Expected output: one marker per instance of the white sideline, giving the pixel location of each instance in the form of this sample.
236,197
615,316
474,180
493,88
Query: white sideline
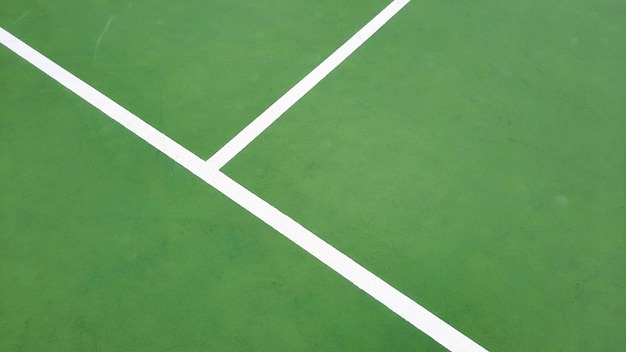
263,121
380,290
412,312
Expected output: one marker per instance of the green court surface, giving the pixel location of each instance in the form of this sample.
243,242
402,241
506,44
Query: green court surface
198,72
473,155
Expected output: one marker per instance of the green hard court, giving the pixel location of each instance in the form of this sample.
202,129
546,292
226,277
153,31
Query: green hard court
471,154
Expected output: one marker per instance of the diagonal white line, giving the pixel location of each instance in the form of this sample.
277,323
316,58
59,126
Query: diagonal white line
406,308
101,102
269,116
380,290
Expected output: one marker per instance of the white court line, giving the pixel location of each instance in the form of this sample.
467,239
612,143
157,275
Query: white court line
261,123
402,305
380,290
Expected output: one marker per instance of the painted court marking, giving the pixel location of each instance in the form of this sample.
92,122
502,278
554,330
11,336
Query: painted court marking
395,300
269,116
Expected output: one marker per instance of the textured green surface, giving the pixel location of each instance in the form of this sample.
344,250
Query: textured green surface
107,245
198,71
471,154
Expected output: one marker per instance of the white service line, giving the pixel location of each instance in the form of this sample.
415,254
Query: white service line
261,123
412,312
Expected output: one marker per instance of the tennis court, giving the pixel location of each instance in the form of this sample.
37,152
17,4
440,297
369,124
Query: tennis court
470,155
